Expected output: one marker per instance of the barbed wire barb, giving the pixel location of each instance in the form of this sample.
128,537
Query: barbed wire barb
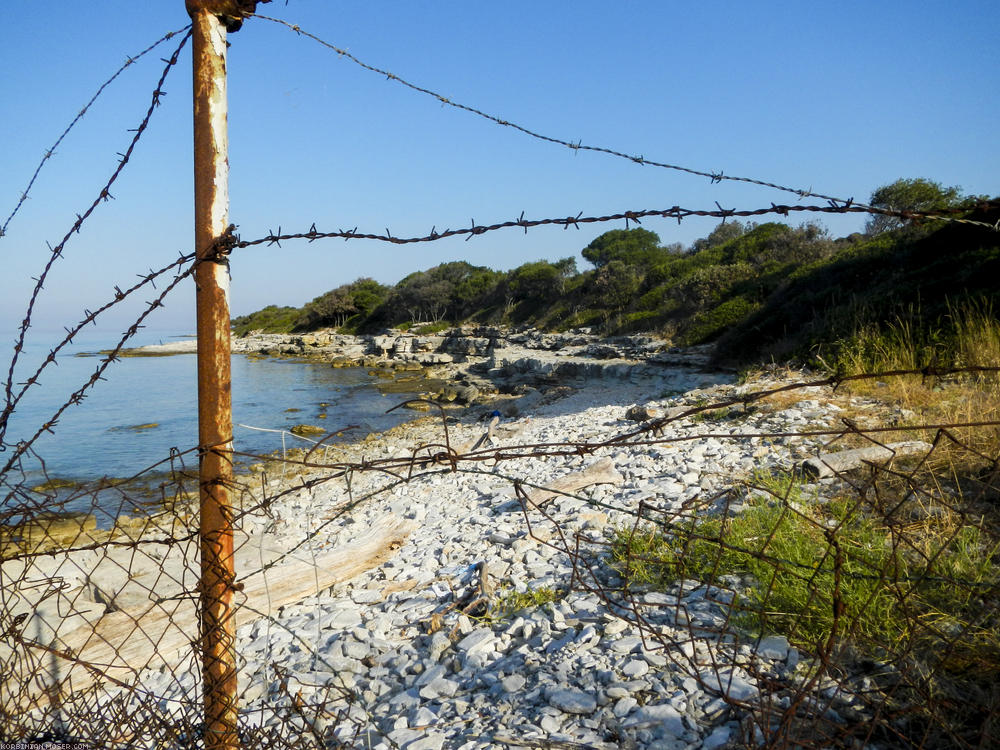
50,152
714,177
57,251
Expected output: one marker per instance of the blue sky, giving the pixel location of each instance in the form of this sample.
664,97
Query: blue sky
840,98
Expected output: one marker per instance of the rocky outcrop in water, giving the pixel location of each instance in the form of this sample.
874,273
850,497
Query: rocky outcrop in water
497,351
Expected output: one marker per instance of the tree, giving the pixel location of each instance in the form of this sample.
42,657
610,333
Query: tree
423,295
916,194
368,294
634,246
724,232
539,281
616,284
336,306
473,289
449,290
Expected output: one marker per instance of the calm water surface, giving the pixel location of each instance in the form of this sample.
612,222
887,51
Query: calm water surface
98,437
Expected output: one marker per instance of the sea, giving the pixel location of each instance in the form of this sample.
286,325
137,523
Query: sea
145,407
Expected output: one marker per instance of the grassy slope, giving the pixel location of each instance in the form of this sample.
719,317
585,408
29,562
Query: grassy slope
911,275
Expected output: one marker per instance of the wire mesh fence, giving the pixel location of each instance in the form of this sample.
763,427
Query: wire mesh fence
692,578
683,562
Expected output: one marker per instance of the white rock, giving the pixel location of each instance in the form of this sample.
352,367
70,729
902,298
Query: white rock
635,668
773,647
660,715
719,737
439,644
732,682
624,705
429,741
627,645
573,701
438,687
342,619
477,641
514,683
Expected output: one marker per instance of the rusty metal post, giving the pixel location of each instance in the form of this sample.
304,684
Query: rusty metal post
215,422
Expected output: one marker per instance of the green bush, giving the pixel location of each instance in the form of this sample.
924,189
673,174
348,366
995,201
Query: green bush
709,324
271,319
801,558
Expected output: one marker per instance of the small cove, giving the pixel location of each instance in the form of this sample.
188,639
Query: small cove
148,407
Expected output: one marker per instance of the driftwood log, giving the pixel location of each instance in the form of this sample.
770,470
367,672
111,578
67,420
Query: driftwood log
599,472
829,464
124,642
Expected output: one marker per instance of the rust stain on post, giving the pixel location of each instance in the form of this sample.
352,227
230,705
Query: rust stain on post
215,423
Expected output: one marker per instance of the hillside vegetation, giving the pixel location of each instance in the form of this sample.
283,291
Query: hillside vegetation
761,291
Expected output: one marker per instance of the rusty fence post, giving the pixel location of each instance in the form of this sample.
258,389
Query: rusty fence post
215,422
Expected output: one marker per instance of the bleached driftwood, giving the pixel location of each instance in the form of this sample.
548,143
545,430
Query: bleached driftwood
828,464
127,641
599,472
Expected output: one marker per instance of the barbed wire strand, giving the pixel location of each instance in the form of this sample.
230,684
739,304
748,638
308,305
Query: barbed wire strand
90,316
675,212
432,460
112,356
50,152
715,177
103,196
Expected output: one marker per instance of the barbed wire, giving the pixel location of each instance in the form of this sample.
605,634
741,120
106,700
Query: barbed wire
113,356
50,152
715,177
675,212
90,316
303,717
103,195
119,673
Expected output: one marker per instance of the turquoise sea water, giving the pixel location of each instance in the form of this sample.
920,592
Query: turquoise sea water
97,437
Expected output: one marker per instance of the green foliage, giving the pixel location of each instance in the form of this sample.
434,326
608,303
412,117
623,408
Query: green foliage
539,280
450,290
616,284
511,602
916,194
709,284
625,245
334,308
271,319
869,285
762,291
800,556
723,233
708,324
429,328
968,335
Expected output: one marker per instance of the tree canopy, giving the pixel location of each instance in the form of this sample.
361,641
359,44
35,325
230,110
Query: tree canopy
627,245
917,194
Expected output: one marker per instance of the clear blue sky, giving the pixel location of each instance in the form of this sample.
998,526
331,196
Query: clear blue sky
839,97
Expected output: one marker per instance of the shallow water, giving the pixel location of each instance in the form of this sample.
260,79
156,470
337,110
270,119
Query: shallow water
148,406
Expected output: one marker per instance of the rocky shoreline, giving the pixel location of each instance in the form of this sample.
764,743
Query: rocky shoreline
476,363
396,658
394,653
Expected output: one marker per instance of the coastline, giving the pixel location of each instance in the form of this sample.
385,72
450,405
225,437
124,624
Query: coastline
400,640
481,362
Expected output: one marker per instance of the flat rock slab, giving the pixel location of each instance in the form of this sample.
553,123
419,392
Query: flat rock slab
828,464
573,701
